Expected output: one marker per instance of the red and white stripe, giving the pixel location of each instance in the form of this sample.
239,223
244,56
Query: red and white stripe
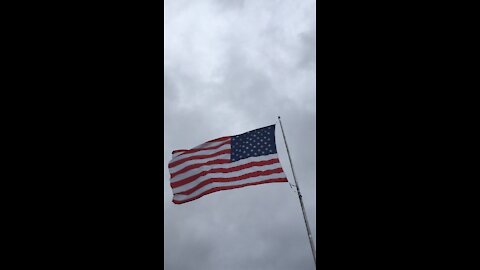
207,168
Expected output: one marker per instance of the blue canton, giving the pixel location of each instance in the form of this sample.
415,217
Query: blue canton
258,142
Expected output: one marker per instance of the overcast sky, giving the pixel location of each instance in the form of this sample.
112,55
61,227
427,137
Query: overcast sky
232,66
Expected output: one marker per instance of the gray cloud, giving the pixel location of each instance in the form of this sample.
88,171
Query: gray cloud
230,67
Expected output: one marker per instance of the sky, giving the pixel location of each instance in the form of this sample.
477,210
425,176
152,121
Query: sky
231,66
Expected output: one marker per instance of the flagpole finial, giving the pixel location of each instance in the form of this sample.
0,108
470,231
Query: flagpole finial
279,117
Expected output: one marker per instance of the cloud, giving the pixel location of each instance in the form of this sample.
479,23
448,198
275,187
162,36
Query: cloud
230,67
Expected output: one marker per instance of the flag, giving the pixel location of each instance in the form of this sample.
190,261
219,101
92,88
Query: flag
225,163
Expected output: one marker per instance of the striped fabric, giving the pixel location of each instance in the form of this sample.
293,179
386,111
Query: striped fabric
225,163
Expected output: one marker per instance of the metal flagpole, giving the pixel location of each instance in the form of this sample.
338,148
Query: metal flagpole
300,197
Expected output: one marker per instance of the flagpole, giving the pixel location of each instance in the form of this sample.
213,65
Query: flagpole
300,197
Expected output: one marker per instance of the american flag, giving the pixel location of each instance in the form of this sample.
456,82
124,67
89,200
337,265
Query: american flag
225,163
